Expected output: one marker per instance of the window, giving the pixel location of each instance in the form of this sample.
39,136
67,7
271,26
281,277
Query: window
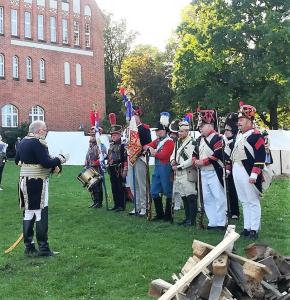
15,67
88,11
53,4
87,35
1,19
28,63
64,31
9,116
64,6
53,29
36,113
66,73
41,2
14,22
2,66
42,70
78,74
27,24
76,33
40,27
77,6
28,1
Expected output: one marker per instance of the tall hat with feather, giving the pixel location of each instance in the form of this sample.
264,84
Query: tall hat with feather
114,127
231,122
207,116
247,111
163,122
174,126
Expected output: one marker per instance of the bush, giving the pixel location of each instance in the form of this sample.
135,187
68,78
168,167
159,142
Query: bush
9,136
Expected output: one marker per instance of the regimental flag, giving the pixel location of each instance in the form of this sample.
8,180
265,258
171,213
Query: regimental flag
134,147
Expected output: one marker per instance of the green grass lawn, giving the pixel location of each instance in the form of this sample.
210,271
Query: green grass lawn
107,255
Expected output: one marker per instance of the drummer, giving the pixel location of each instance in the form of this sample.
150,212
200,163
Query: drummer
92,161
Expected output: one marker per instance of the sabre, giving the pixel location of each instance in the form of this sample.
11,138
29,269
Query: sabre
14,245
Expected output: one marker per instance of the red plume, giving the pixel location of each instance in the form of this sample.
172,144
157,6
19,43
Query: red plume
97,116
122,91
92,118
241,103
112,119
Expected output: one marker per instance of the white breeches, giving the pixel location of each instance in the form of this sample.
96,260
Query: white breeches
182,186
248,194
215,204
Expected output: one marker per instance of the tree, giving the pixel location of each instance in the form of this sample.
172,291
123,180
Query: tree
231,51
117,43
147,71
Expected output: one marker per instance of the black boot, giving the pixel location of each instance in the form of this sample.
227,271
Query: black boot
158,208
192,210
185,205
28,237
41,234
168,212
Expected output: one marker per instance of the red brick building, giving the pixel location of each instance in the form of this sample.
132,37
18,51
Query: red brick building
51,62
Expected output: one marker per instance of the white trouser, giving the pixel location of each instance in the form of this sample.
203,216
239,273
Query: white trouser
29,213
177,200
248,194
214,199
140,183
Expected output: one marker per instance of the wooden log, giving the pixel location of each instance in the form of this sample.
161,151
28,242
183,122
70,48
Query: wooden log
188,277
191,262
159,286
253,272
256,251
242,260
270,263
199,250
220,265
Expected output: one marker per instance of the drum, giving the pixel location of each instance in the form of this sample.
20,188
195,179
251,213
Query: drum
89,177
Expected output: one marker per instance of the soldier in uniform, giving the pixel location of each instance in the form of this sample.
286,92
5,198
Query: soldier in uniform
231,131
138,184
36,166
185,175
3,148
248,158
211,166
118,168
93,160
161,148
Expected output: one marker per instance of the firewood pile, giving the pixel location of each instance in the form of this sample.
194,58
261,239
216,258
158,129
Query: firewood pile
215,273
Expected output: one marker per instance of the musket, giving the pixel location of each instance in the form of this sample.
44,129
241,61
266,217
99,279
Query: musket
148,192
174,178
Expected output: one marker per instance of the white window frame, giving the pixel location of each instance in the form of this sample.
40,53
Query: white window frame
65,31
36,113
9,114
40,2
53,29
28,1
77,6
67,73
1,20
42,70
2,65
76,33
87,35
27,24
88,11
28,65
53,4
40,27
15,67
14,22
78,74
64,6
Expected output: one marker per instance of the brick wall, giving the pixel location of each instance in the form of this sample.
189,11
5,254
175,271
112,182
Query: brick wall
65,106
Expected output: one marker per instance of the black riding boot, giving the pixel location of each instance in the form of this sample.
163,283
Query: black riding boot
41,234
28,237
192,210
158,208
168,212
186,217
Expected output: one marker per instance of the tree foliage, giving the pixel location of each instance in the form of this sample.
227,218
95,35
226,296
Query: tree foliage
234,50
147,72
117,43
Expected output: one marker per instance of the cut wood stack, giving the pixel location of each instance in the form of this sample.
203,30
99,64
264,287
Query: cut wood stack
215,273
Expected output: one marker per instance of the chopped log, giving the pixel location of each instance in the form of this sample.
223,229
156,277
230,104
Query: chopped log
270,263
159,287
283,266
256,289
256,251
199,287
191,262
242,260
253,272
188,277
199,250
269,287
220,265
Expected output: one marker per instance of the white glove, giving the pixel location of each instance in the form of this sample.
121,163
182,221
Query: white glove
63,158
